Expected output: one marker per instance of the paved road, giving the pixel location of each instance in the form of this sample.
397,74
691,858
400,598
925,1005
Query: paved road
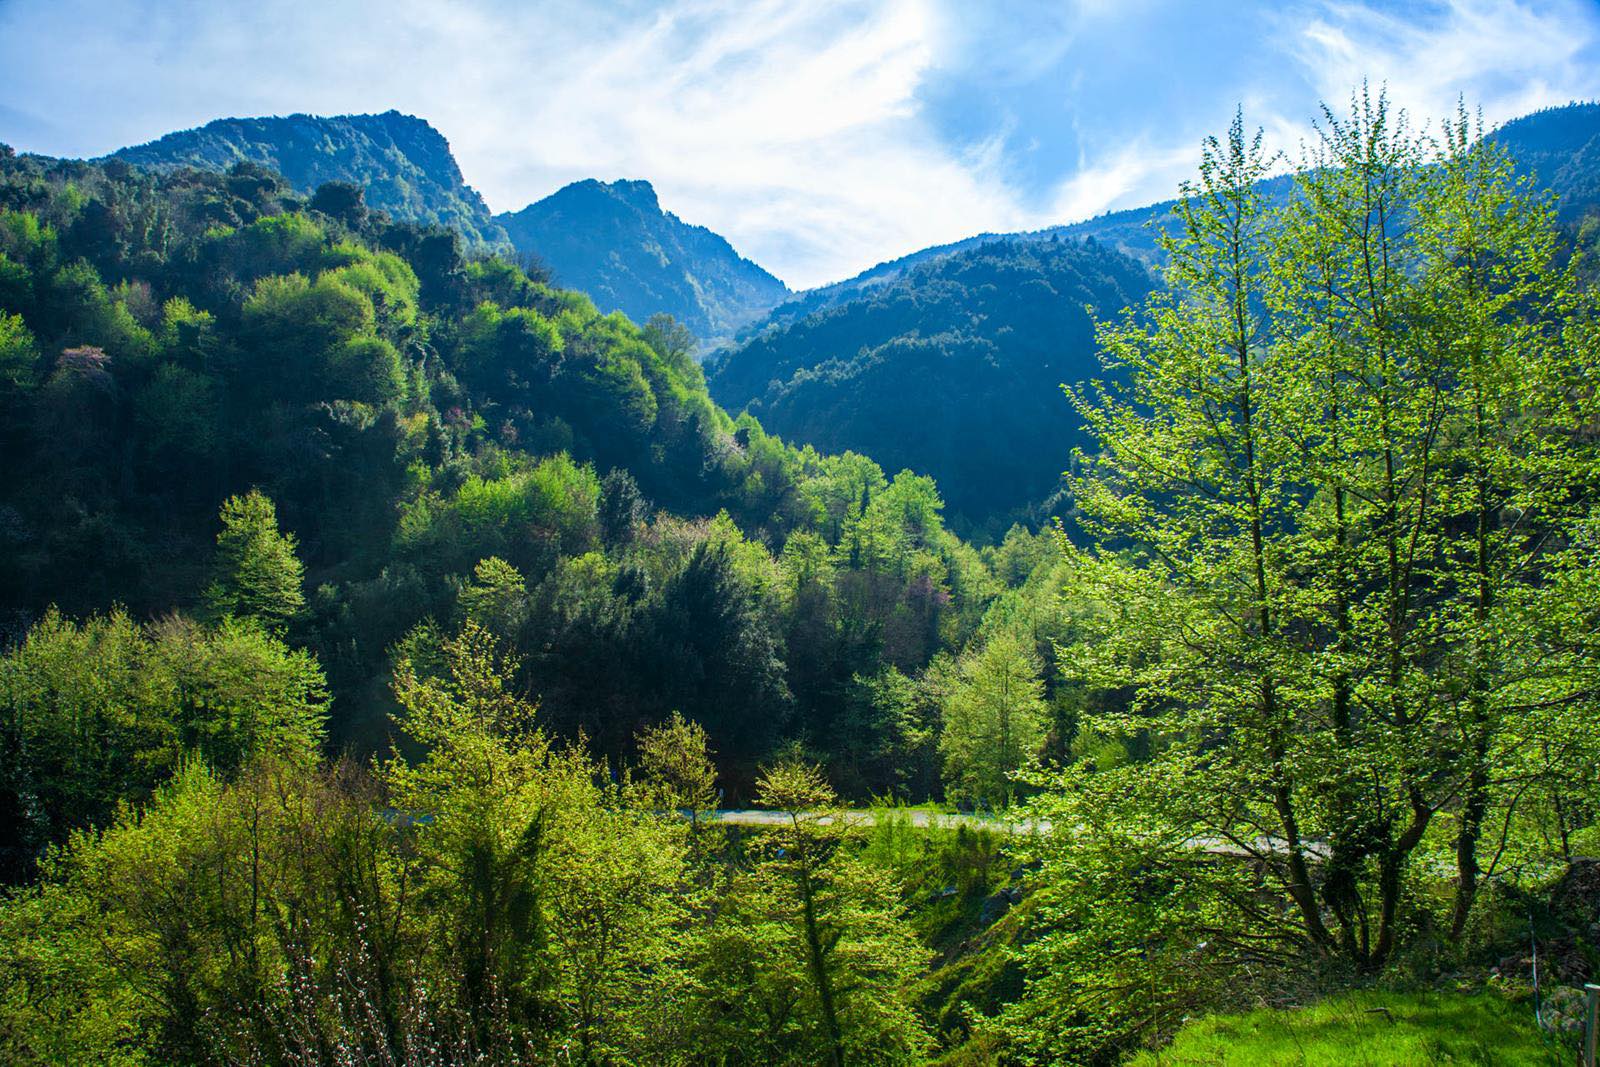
916,817
1262,846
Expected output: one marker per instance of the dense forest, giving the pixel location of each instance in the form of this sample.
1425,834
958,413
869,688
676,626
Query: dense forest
953,368
429,429
383,627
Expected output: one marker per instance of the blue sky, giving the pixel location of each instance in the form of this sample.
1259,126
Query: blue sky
820,136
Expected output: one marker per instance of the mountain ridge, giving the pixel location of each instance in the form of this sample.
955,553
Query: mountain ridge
1567,136
402,162
613,240
672,266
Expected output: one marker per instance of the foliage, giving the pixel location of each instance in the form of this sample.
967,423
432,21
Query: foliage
99,713
258,575
812,957
171,339
994,719
1340,479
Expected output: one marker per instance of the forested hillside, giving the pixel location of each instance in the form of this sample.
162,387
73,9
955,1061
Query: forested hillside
613,242
464,589
1560,149
953,368
175,339
402,164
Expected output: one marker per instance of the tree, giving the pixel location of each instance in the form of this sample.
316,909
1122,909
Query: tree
673,341
994,719
256,573
344,201
496,598
1341,455
812,959
675,768
623,509
559,912
717,652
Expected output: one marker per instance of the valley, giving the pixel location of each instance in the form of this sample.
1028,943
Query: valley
431,635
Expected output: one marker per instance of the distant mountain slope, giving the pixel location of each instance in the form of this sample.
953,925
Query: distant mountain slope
951,369
1560,147
403,163
613,241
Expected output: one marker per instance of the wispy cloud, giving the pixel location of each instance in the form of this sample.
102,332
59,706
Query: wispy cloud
1507,57
819,137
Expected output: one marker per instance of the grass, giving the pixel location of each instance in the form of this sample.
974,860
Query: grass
1367,1029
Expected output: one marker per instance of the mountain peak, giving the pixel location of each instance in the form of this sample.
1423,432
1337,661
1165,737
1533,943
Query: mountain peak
403,162
613,241
637,193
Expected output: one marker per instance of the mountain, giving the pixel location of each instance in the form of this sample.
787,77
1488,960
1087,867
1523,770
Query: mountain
610,240
951,368
613,241
1560,148
401,161
929,361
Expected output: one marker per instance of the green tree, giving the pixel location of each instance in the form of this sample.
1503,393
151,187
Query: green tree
256,573
675,767
559,910
496,598
994,719
673,341
812,959
1340,462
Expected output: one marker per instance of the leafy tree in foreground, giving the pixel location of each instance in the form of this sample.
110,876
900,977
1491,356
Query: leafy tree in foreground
1347,460
558,911
812,959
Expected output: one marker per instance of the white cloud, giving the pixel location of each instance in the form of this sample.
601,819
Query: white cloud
1134,174
798,130
1508,57
791,128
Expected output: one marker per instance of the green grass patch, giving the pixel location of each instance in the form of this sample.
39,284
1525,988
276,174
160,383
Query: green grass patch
1368,1029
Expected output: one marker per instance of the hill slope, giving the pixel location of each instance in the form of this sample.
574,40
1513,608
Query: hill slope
613,241
952,369
1560,147
402,162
